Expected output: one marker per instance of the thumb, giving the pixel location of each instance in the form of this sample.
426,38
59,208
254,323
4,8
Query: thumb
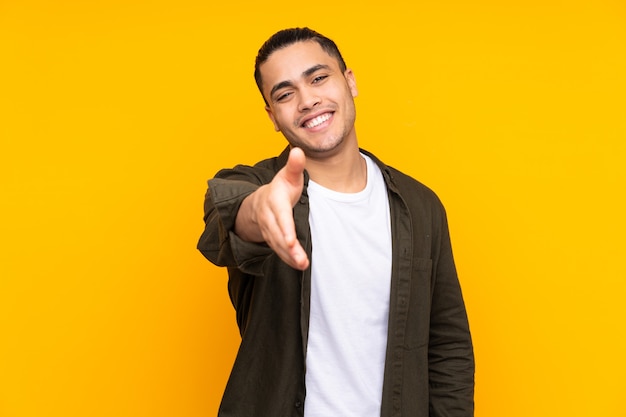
295,166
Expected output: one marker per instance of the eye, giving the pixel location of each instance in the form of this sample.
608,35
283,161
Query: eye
319,79
283,96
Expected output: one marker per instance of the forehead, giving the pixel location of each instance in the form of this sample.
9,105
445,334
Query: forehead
290,62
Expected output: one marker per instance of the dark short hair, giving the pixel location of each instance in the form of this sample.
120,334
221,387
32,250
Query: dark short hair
286,37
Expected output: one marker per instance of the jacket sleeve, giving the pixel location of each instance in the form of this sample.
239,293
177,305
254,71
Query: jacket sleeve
219,243
450,357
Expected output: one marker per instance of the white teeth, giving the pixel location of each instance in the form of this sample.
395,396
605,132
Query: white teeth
317,121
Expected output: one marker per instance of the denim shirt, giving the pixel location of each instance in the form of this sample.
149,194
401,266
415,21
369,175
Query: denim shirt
429,368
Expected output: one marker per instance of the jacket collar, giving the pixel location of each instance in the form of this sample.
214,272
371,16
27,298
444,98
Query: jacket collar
387,174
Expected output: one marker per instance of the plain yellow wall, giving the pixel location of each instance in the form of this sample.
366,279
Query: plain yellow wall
114,114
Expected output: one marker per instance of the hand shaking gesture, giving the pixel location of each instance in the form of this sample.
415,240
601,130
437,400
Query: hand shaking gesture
267,214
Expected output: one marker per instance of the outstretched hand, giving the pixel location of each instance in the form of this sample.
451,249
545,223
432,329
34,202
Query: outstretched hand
267,214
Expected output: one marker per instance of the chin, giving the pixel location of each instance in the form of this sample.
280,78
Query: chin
325,147
317,145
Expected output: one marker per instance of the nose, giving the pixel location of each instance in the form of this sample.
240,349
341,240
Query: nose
308,100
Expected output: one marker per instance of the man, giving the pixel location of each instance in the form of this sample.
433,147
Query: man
340,267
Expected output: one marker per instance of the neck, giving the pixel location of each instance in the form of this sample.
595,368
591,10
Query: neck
345,172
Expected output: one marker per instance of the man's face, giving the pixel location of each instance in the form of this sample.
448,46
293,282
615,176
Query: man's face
309,99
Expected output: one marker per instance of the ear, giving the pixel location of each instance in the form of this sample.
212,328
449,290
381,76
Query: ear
271,116
349,75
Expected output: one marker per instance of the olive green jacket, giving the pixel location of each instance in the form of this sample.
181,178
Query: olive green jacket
429,367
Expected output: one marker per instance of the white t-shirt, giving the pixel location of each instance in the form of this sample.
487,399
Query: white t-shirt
350,286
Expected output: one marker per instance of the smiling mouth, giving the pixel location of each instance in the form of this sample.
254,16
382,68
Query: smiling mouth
316,121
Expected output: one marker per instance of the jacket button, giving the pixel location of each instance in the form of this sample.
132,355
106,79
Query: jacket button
298,404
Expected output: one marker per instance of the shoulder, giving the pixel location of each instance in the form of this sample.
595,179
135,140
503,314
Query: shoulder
260,173
422,202
406,183
410,189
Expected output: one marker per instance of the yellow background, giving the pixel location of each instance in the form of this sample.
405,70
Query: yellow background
114,114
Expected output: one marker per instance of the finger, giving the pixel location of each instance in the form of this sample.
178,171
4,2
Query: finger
280,234
294,256
286,225
299,257
295,166
277,226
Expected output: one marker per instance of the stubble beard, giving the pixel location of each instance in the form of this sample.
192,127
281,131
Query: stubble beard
326,145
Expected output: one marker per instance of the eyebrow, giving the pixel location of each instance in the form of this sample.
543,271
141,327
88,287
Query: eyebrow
305,74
